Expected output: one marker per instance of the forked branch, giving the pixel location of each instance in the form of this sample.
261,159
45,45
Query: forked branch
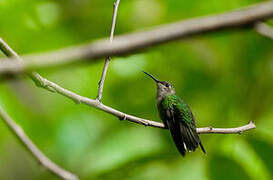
122,116
107,61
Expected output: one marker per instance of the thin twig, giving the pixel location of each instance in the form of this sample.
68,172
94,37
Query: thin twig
33,149
122,116
237,130
130,43
106,64
264,29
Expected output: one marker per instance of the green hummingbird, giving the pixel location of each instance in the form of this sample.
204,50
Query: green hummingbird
176,116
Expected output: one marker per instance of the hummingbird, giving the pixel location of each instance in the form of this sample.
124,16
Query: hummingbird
177,117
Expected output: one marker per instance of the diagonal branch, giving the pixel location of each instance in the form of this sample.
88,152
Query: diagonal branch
106,64
33,149
129,43
122,116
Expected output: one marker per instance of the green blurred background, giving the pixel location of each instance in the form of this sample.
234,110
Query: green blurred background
225,77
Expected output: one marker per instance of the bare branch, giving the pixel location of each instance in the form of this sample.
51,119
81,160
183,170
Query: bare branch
106,64
237,130
264,29
125,44
32,148
122,116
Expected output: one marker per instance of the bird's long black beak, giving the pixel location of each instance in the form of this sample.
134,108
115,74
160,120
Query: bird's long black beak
157,81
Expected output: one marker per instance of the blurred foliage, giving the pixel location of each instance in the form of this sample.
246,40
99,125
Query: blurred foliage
226,78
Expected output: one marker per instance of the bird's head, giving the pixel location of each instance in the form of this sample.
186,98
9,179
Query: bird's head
163,88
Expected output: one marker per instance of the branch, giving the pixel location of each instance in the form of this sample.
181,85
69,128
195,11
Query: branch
264,29
125,44
237,130
122,116
35,152
106,64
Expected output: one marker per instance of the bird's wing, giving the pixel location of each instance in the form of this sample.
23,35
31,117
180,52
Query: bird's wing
167,115
178,117
184,116
175,130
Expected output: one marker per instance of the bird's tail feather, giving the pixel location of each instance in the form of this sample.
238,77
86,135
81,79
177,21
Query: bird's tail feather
185,138
203,149
189,137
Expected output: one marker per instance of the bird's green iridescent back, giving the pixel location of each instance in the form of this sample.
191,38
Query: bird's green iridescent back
177,116
183,112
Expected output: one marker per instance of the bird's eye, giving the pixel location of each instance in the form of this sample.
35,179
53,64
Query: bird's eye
167,85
